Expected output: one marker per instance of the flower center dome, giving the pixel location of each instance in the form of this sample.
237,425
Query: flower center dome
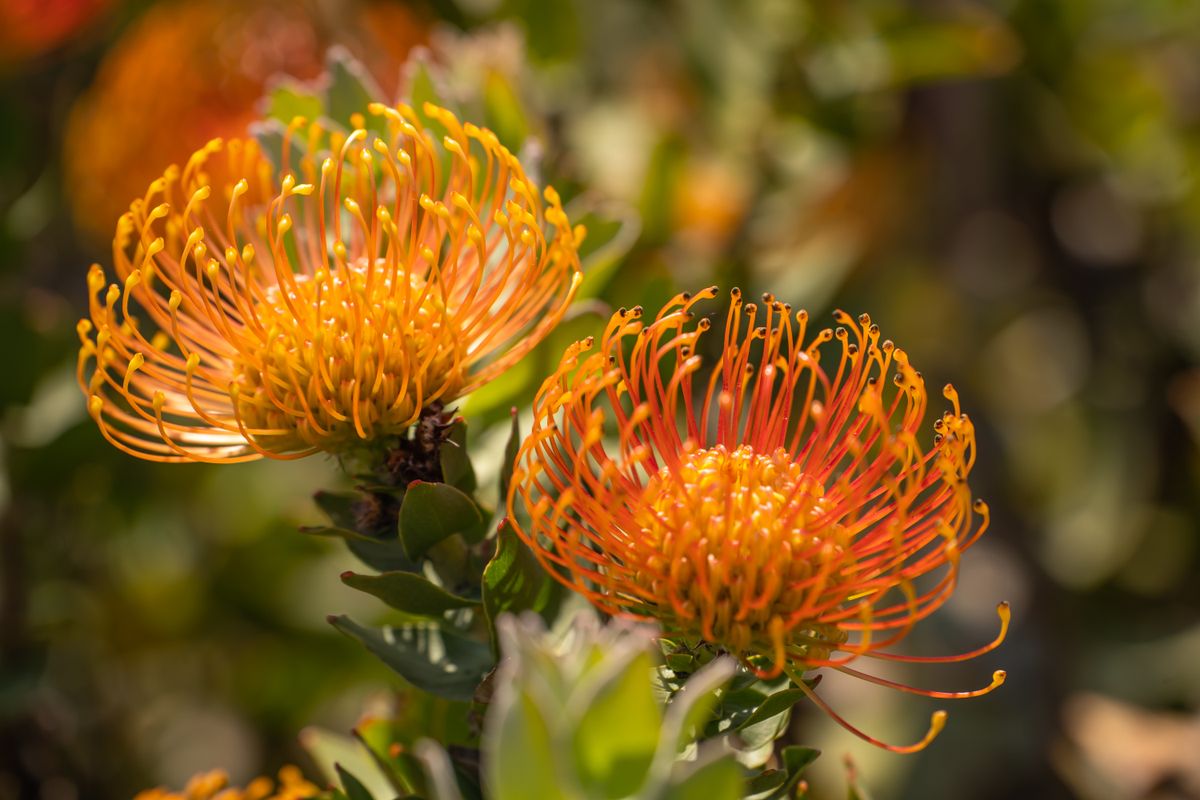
734,545
344,354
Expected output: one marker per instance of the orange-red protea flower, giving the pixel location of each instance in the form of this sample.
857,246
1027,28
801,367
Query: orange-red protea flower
776,507
188,71
262,312
214,785
29,28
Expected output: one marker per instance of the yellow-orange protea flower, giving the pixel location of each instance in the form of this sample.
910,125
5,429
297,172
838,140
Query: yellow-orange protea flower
779,507
187,71
263,312
214,785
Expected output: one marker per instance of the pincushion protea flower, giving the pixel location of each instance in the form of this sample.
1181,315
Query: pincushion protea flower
214,785
29,28
262,312
777,508
192,70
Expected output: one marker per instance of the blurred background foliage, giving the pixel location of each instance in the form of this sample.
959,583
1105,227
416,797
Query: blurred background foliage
1009,187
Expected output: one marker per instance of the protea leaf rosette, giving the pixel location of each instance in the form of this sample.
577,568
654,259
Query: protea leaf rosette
772,505
321,305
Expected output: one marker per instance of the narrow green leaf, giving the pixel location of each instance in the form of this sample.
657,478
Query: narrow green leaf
420,82
351,89
523,757
511,448
401,783
351,785
433,512
431,658
766,785
384,556
407,591
611,234
503,111
514,581
796,759
269,134
339,507
718,779
617,734
455,459
332,532
774,705
289,100
328,750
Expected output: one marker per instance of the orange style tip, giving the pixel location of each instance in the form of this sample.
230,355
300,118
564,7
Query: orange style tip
95,405
998,678
948,390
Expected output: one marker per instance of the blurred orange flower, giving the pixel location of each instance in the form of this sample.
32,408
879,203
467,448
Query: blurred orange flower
214,785
188,71
318,307
29,28
780,510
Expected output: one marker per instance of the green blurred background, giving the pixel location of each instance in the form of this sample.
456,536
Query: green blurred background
1010,188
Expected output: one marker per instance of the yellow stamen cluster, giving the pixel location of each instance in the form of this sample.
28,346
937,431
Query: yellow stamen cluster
721,531
284,311
214,785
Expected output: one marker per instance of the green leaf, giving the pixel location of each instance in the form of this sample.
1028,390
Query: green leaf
778,784
617,733
420,82
408,592
435,659
433,512
351,90
796,758
455,460
774,705
514,581
523,758
718,779
611,233
351,785
692,705
340,533
385,556
511,448
269,134
289,100
503,111
403,781
329,750
339,507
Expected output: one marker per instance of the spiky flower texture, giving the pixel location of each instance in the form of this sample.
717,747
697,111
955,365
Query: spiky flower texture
324,304
773,506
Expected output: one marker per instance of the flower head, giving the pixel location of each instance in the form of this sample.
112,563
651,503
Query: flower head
214,785
191,70
774,505
280,312
29,28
